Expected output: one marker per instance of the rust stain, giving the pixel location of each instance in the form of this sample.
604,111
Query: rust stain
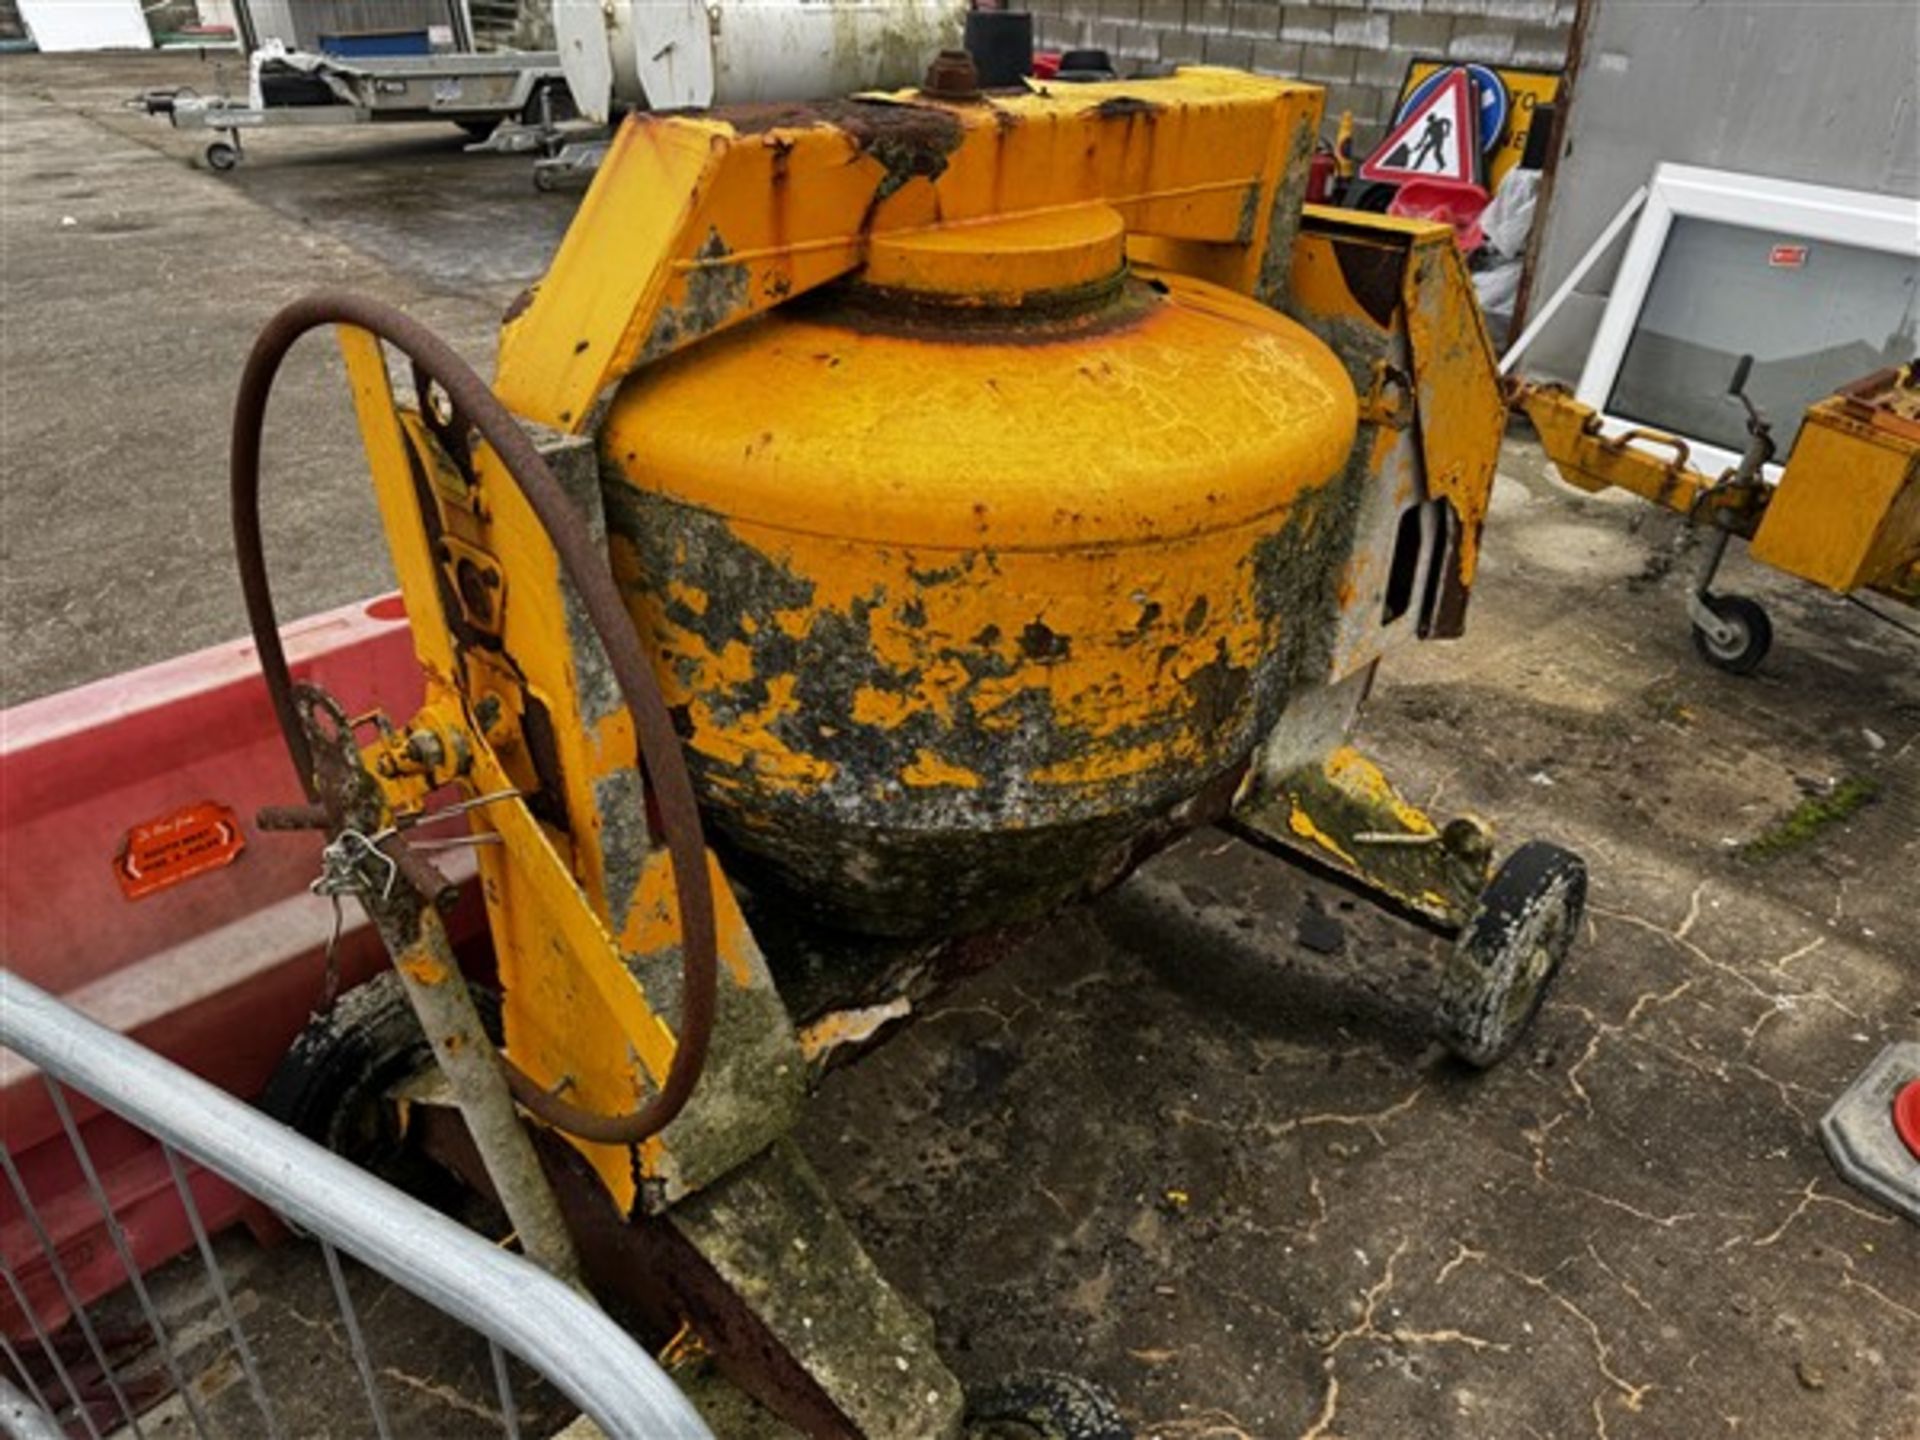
423,969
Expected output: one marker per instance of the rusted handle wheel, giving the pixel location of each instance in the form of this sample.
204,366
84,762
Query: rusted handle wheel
1044,1405
1510,951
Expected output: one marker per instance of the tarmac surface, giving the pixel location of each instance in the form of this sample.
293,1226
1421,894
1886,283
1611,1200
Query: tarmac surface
1167,1145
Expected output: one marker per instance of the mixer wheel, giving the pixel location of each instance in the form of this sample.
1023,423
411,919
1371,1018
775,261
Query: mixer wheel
1510,951
221,156
1044,1405
332,1084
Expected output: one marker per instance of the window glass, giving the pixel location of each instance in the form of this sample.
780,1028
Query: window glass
1814,315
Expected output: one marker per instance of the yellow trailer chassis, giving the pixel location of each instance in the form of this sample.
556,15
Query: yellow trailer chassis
1844,513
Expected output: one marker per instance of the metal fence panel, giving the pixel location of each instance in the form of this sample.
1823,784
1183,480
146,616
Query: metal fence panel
518,1307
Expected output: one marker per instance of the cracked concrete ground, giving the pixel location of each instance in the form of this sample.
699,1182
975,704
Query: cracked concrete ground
1230,1176
1166,1145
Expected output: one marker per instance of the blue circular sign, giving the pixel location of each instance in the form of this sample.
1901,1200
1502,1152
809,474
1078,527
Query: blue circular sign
1495,105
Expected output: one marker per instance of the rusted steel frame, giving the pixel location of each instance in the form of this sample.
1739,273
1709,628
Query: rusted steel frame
409,925
644,1266
1870,401
586,568
1361,886
1682,451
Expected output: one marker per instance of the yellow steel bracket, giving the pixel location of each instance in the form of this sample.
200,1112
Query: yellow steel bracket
1461,414
1648,463
1392,298
524,717
1347,816
695,223
1845,513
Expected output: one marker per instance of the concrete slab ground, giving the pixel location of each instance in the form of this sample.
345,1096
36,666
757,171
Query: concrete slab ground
134,285
1166,1145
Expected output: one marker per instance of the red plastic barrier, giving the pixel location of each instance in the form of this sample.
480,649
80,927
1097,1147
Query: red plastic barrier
217,968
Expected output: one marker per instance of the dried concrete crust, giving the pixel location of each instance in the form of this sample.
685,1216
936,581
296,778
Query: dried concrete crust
776,1237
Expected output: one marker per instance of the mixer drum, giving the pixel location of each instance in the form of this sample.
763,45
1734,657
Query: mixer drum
963,574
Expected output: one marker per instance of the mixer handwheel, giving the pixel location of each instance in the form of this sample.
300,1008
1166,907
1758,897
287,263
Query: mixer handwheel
1511,949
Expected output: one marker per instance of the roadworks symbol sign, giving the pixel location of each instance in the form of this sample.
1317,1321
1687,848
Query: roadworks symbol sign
1436,140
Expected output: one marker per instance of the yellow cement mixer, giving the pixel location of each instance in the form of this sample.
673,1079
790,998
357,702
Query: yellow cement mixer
938,501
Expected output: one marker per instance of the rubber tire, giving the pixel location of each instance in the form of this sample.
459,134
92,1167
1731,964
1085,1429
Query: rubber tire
1506,958
1045,1405
1372,196
332,1083
221,157
1748,617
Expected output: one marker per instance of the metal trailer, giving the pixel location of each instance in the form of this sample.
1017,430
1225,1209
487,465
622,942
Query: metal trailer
627,55
475,92
1844,514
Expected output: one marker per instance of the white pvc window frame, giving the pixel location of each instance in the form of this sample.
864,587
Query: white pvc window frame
1858,218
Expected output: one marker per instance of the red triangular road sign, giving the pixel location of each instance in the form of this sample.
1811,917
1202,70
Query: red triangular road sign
1438,141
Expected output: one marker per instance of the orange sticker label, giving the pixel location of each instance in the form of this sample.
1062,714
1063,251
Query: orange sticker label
161,853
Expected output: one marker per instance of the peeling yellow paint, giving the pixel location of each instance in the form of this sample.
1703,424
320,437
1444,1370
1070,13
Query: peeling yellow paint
1357,775
653,924
749,742
1132,625
690,596
1114,607
423,969
929,769
1301,823
1103,765
887,709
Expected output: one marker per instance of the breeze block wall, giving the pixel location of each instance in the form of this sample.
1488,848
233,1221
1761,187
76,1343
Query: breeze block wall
1358,49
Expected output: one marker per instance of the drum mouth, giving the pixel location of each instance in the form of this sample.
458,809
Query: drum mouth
1051,261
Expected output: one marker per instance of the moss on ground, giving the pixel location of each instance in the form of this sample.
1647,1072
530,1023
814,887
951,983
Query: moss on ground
1803,824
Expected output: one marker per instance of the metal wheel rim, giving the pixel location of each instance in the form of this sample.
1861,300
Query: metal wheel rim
1733,649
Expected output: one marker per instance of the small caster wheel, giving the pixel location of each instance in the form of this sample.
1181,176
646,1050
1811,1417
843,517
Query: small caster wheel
1510,951
1752,634
543,180
1044,1405
221,156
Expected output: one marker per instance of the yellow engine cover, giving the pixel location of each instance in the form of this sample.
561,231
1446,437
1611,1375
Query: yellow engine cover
955,596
